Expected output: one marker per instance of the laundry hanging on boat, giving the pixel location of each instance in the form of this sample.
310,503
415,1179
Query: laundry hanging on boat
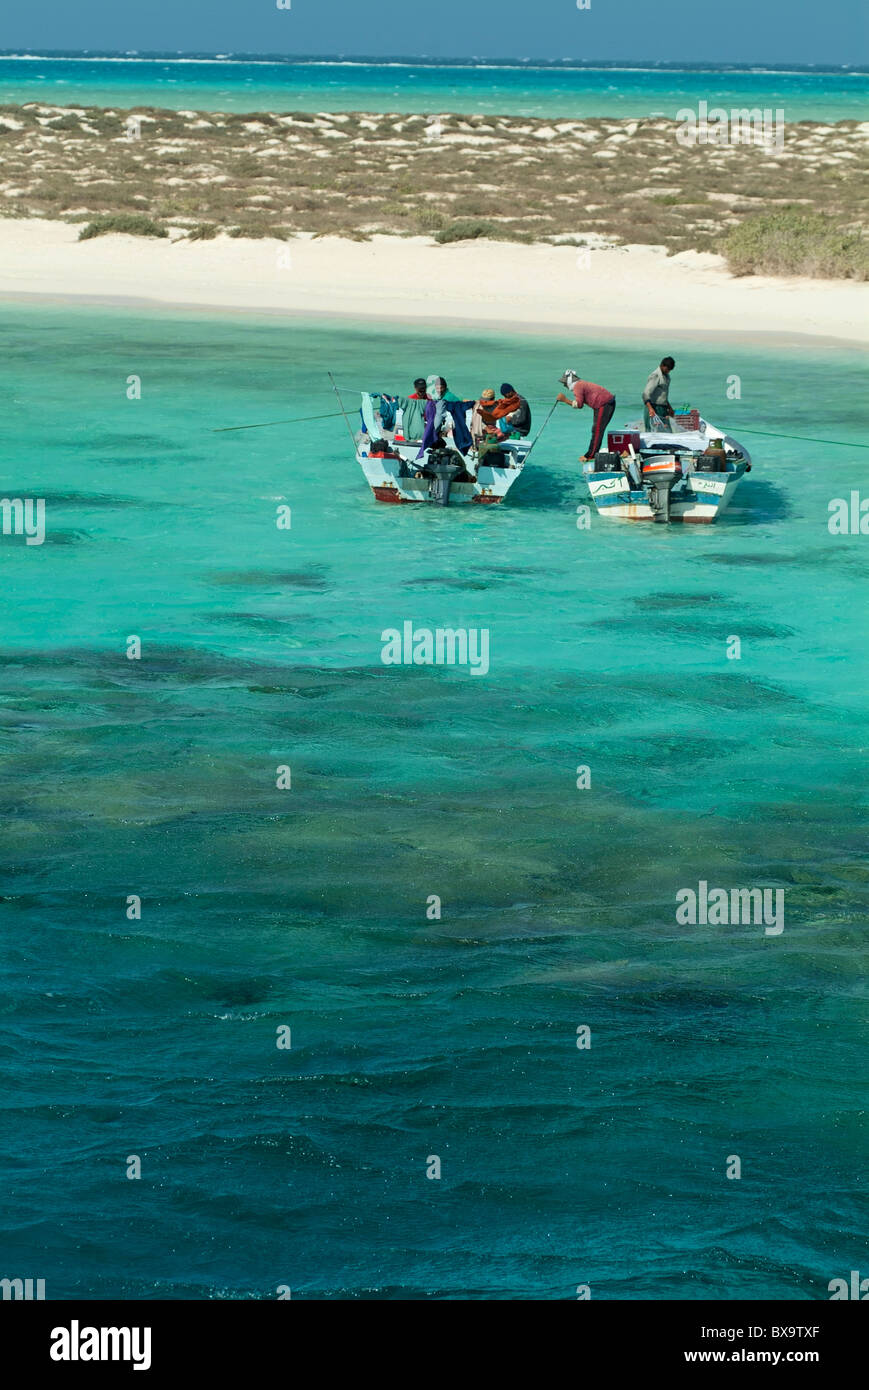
457,411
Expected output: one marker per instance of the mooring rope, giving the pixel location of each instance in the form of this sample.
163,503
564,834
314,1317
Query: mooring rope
808,439
225,429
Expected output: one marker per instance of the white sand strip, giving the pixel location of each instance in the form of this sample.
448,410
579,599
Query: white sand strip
636,290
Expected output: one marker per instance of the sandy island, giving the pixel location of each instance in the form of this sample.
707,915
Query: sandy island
611,227
625,290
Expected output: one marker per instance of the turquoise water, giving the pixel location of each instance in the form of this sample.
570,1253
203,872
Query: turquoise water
522,91
413,1037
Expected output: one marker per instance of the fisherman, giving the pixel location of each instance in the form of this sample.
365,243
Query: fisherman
656,405
413,410
435,411
514,413
445,410
446,393
598,398
483,426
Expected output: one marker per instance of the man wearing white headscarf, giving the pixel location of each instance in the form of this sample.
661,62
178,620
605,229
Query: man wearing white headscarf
601,401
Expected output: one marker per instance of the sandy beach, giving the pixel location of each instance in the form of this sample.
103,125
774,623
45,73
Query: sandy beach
623,290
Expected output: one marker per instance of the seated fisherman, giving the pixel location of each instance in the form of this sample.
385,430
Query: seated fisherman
513,412
656,403
483,427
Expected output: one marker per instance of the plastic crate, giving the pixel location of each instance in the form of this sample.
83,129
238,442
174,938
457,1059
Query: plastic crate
688,419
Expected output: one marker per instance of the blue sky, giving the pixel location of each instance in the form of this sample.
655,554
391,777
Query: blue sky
749,31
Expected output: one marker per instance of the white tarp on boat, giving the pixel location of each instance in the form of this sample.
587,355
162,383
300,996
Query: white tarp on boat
674,439
694,440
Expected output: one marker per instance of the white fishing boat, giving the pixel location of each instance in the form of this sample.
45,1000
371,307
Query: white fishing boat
397,470
687,473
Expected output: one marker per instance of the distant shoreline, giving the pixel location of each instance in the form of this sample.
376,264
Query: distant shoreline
402,61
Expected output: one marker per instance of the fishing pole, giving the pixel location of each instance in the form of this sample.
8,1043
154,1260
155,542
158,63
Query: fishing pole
540,431
226,429
343,411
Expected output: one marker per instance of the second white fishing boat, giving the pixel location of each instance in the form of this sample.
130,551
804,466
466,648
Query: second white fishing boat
686,474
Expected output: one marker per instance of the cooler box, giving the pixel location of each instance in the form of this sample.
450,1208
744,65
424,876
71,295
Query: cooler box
618,441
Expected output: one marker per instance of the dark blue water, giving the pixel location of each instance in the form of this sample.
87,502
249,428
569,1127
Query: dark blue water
411,1036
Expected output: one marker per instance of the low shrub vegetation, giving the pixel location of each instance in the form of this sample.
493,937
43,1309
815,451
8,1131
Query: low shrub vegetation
794,242
133,223
260,174
466,231
203,231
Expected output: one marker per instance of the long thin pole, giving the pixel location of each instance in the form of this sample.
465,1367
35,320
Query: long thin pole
226,429
542,428
343,411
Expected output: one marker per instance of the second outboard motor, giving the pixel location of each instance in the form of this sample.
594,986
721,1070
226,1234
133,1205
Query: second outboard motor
442,467
660,476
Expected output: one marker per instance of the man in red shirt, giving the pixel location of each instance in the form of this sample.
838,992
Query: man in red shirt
601,401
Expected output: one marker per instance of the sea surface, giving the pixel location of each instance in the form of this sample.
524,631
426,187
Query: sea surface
228,84
416,1036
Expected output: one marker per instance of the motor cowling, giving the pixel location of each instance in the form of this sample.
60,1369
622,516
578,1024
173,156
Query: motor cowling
442,467
660,476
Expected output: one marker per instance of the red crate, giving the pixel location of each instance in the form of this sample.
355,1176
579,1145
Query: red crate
688,419
619,440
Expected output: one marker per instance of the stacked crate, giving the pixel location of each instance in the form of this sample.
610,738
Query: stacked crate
688,419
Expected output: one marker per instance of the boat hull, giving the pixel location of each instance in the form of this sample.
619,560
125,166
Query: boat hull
392,494
384,477
699,495
700,499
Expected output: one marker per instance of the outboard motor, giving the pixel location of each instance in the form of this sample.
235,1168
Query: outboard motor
442,467
660,476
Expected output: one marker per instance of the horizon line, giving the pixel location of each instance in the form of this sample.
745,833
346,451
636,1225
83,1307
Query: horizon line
424,60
